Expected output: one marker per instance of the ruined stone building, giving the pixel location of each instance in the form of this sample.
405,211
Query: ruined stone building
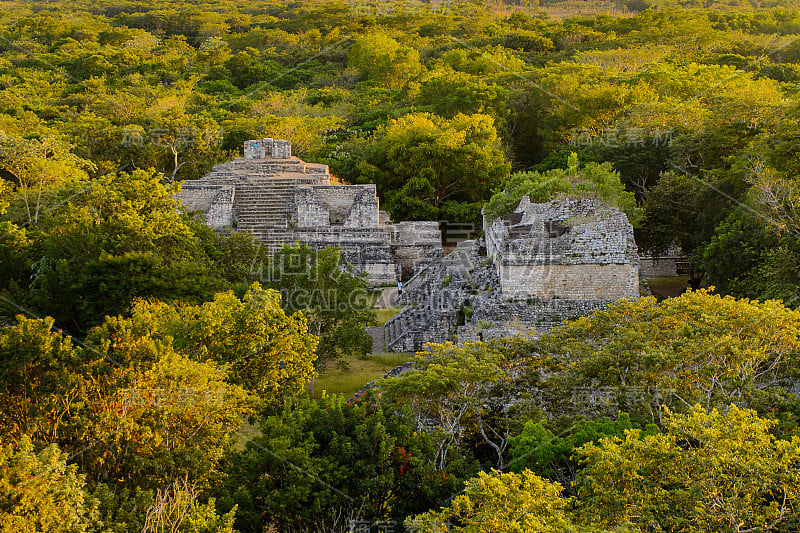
535,268
280,199
573,249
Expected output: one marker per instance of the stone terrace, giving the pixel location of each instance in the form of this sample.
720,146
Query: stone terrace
280,199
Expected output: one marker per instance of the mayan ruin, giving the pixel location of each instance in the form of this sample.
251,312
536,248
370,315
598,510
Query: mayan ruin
280,199
531,270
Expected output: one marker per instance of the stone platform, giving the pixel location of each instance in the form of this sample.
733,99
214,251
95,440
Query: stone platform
280,199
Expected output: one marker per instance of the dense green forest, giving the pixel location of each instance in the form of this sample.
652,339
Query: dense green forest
152,378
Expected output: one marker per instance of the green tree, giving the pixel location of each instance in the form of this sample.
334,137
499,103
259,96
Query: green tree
683,209
42,493
593,180
422,162
449,93
41,379
321,463
708,471
497,501
457,388
551,456
119,239
334,299
696,348
139,412
261,347
747,258
384,60
14,246
151,413
39,167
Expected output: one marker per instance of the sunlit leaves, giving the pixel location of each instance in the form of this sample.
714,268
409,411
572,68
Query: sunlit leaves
698,347
425,159
709,471
592,180
41,492
497,501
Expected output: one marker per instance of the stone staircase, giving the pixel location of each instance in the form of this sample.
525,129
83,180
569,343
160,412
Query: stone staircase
376,333
437,294
264,193
262,208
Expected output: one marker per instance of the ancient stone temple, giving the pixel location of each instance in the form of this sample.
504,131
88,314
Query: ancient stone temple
575,249
536,267
281,199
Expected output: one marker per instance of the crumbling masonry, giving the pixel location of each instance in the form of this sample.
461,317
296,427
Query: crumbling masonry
535,268
280,199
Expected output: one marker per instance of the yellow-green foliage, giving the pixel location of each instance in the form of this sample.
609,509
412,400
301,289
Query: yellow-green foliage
593,180
41,492
708,471
501,501
701,347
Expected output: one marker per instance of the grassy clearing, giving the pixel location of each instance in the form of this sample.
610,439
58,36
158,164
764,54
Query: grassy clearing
386,313
361,371
338,381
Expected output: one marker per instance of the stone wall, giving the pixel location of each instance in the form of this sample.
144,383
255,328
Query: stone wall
215,201
363,210
672,263
574,248
415,244
543,313
350,206
589,282
268,148
280,199
309,211
537,267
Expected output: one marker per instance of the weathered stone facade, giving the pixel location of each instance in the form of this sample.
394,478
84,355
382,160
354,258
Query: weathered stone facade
541,265
537,267
576,249
672,263
281,199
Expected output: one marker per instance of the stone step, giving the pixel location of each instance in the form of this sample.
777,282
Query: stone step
378,338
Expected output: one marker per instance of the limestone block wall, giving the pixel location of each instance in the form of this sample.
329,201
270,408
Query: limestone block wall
351,206
313,215
495,236
573,249
347,204
367,249
414,244
663,266
586,281
266,148
419,232
364,210
494,318
380,273
437,329
310,211
673,263
542,314
215,201
220,212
